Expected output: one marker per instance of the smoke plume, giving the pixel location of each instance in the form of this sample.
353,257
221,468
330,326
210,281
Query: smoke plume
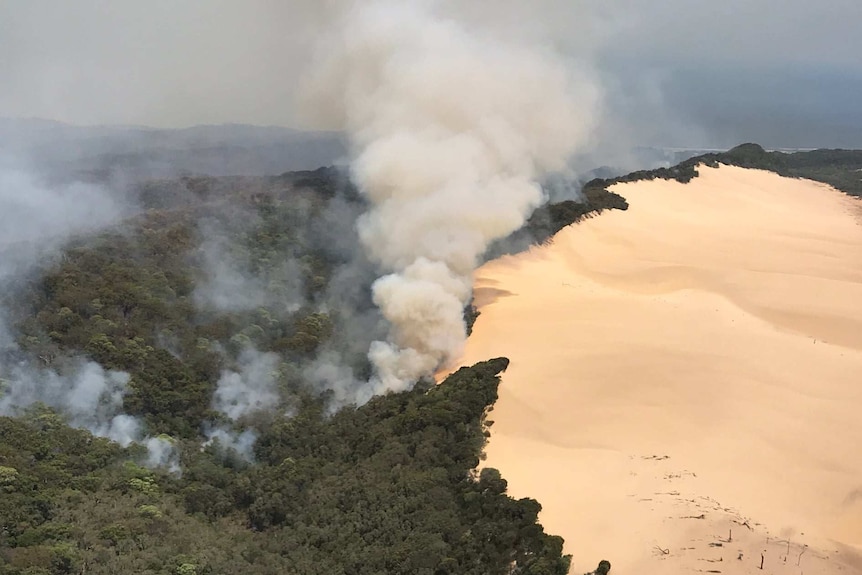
251,388
450,128
229,440
230,286
90,397
36,219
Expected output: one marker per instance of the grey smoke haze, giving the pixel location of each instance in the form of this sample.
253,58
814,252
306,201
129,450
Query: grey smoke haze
123,156
677,73
230,285
340,366
36,219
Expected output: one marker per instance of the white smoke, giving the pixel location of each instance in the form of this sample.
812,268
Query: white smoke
252,388
36,219
330,372
228,440
90,398
451,127
229,284
162,452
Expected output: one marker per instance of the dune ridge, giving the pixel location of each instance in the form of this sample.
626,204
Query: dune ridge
684,389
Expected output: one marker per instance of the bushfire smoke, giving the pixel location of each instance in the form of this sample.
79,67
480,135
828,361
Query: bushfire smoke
36,219
450,127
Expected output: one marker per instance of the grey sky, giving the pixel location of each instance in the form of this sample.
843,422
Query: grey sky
677,72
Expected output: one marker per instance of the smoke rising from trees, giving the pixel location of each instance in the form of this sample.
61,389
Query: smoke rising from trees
36,219
450,130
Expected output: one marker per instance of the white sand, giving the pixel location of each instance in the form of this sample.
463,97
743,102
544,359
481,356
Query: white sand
700,353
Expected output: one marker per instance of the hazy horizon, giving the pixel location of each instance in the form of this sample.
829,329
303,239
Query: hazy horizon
693,147
783,74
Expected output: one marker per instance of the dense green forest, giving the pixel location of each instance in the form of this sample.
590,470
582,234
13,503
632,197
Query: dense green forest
209,273
386,488
840,169
548,219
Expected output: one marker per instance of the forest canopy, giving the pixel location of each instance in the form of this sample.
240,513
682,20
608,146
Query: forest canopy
199,327
838,168
390,487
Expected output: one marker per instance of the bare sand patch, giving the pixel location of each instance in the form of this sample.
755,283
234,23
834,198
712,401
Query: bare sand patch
685,386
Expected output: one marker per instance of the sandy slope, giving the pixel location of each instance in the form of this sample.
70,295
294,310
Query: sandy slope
688,372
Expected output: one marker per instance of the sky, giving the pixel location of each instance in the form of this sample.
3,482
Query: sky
674,73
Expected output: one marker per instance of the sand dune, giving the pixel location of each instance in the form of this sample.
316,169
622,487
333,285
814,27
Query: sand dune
685,387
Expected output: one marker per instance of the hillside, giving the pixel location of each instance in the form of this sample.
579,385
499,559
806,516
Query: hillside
136,153
235,313
841,169
387,488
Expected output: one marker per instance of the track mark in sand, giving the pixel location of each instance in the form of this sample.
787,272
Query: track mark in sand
679,475
656,457
720,534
